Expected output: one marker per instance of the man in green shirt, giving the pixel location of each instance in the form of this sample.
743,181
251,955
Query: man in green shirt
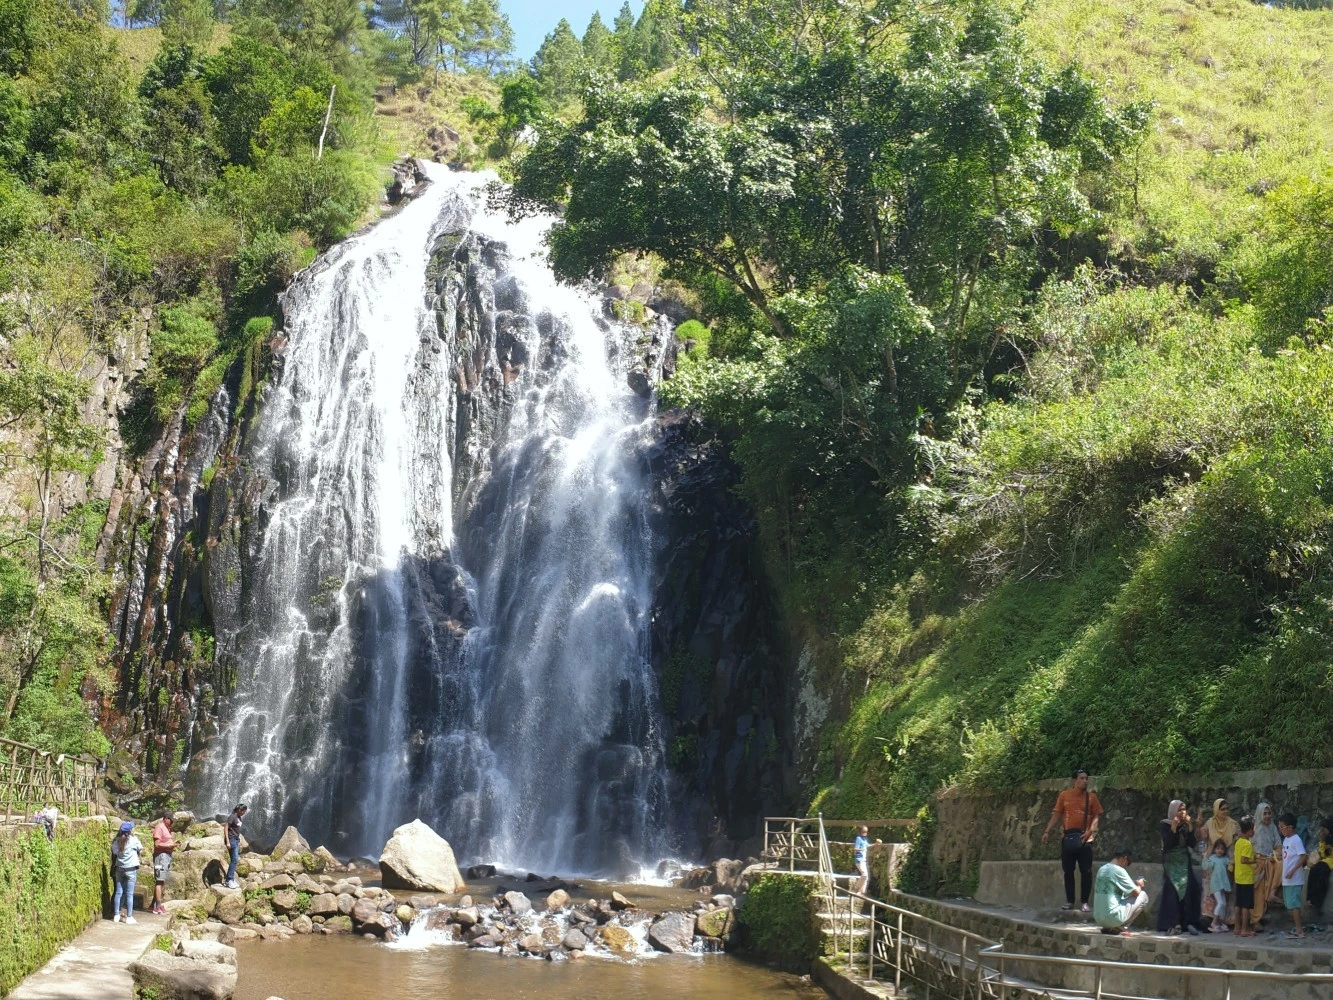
1117,898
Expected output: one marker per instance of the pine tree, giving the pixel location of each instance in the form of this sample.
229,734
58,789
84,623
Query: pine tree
622,38
599,46
559,65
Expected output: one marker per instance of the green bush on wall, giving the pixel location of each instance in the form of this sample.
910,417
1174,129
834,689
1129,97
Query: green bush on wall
49,891
778,920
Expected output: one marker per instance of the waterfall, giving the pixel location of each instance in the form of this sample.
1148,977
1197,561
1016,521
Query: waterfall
450,598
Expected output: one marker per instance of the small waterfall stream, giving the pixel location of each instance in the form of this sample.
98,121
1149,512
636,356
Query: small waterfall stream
449,609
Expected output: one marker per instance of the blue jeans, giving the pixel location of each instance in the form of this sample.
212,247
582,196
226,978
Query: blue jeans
124,886
235,846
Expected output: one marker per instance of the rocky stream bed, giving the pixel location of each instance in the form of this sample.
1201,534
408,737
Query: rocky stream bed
415,898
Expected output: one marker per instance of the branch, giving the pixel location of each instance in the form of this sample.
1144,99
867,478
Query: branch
324,131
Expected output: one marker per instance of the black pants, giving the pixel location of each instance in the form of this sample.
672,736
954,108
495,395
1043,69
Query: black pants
1075,852
1317,891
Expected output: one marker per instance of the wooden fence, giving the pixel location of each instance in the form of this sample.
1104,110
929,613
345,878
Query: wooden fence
32,779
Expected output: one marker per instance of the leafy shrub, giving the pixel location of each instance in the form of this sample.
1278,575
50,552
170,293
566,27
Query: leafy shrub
182,346
778,921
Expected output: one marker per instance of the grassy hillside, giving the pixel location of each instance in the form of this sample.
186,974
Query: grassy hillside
1127,565
1243,101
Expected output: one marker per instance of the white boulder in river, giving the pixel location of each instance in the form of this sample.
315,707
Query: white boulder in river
416,857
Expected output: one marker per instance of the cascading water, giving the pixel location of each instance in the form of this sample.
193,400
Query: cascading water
449,608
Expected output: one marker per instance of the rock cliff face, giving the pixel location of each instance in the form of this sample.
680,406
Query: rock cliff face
187,530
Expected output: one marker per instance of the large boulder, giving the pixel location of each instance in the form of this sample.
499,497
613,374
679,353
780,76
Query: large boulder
717,923
416,857
672,932
175,977
325,904
230,909
618,940
517,903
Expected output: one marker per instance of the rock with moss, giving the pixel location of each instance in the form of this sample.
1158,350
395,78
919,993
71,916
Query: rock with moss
162,976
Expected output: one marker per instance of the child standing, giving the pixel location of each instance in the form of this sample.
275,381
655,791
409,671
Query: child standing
1216,867
1244,877
1293,872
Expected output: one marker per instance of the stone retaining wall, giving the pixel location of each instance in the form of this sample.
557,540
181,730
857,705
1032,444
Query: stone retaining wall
977,825
49,891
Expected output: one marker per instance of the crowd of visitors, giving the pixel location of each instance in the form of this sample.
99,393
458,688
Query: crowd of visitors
1218,875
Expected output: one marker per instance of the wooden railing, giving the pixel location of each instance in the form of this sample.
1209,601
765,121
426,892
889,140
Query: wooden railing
32,779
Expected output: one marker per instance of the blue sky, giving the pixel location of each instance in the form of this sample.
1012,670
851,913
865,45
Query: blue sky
534,19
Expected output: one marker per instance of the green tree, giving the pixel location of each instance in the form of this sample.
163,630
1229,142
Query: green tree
559,65
178,120
186,22
622,42
599,46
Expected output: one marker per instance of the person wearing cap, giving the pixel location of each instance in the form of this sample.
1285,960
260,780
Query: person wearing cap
1077,811
126,854
1118,899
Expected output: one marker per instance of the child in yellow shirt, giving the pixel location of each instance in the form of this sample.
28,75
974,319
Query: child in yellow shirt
1244,868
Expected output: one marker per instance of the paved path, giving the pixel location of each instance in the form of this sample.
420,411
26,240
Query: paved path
95,965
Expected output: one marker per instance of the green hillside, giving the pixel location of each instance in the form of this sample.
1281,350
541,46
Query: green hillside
1131,570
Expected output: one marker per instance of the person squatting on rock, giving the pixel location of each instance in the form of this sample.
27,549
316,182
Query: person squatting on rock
163,845
1078,811
126,853
1181,889
1118,899
233,835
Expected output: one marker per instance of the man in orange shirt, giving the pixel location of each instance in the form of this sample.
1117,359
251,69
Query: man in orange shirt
1078,811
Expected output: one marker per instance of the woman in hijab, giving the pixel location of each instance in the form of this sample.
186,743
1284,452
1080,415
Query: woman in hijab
1267,842
1181,889
1220,826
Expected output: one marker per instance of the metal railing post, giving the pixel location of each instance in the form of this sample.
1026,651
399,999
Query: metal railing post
1226,977
1098,987
791,849
929,935
870,943
898,955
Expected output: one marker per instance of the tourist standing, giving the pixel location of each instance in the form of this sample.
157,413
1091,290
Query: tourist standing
1216,880
1078,811
126,854
1220,826
1181,889
860,847
164,843
1267,841
1293,872
234,842
1118,899
1243,861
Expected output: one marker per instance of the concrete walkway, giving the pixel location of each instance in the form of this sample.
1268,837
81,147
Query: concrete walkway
95,965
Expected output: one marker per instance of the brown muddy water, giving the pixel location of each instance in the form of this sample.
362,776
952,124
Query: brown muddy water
347,968
352,968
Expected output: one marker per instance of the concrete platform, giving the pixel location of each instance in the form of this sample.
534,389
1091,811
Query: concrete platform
1040,885
1147,956
95,965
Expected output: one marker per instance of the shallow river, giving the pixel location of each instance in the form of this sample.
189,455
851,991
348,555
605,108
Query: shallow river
320,968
